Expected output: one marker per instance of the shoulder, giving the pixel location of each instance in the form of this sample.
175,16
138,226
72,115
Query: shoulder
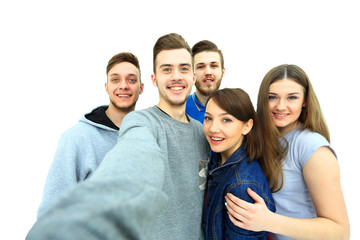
308,136
252,177
251,173
304,142
142,124
146,117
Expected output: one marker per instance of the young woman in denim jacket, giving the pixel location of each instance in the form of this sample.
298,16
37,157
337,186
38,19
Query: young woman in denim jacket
309,200
231,128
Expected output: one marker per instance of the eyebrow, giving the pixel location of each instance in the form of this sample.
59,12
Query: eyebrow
200,63
222,114
172,65
129,74
294,93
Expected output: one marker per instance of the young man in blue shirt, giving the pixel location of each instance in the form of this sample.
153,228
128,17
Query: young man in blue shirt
209,69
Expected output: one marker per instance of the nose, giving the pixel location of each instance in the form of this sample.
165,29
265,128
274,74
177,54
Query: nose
281,104
123,84
214,128
176,75
208,70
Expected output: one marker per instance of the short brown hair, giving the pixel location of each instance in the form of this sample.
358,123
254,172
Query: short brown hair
123,57
169,42
207,46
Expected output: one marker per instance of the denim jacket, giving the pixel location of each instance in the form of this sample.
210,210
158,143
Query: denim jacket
234,176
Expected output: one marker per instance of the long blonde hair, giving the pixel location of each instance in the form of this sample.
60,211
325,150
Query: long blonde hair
311,118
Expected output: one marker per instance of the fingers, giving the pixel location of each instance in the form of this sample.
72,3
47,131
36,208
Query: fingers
255,196
235,201
236,222
235,210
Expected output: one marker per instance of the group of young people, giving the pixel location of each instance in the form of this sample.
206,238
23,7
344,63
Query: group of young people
194,166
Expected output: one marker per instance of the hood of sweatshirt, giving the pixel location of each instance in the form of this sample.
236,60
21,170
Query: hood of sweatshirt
97,117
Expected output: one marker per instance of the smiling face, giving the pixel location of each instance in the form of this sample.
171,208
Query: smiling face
209,72
224,132
123,86
174,77
286,100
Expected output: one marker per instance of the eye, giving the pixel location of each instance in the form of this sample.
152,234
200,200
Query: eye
214,66
272,98
227,120
207,118
132,80
166,70
114,80
199,67
292,97
185,69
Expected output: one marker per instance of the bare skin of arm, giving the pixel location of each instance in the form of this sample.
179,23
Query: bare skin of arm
322,176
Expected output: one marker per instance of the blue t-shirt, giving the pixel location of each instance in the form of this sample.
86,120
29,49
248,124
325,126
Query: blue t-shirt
294,200
194,108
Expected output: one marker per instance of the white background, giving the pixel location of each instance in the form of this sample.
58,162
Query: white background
53,56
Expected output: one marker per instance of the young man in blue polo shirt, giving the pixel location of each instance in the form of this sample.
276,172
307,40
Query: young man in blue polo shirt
209,69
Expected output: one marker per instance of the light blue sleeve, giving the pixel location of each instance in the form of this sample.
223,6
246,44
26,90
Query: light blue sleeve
307,143
63,171
120,200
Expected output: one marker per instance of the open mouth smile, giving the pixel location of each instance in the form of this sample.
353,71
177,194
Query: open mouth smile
208,80
123,95
280,115
176,88
216,140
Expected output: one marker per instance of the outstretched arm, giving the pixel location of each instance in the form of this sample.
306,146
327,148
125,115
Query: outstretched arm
322,176
120,200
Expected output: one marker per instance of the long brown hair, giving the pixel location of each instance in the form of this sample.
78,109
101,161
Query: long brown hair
237,103
311,118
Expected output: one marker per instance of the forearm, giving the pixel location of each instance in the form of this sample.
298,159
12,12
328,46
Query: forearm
313,228
120,201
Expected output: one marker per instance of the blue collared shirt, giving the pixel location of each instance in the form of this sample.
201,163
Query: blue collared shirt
194,108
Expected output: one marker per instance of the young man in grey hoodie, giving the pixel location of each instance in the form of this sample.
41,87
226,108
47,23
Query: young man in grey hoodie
82,147
147,186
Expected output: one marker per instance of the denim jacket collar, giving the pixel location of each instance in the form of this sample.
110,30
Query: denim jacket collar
236,157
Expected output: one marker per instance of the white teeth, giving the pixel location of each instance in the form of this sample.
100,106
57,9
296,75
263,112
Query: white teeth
176,88
280,115
216,139
120,95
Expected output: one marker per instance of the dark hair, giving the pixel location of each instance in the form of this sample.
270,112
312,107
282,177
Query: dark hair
206,45
123,57
169,42
237,103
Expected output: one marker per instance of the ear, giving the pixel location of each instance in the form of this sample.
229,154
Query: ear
106,88
153,79
223,71
141,88
248,126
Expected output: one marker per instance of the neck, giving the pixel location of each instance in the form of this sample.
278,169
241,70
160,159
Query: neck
285,130
116,115
201,98
177,112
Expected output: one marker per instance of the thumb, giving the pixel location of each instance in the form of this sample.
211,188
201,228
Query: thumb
255,196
